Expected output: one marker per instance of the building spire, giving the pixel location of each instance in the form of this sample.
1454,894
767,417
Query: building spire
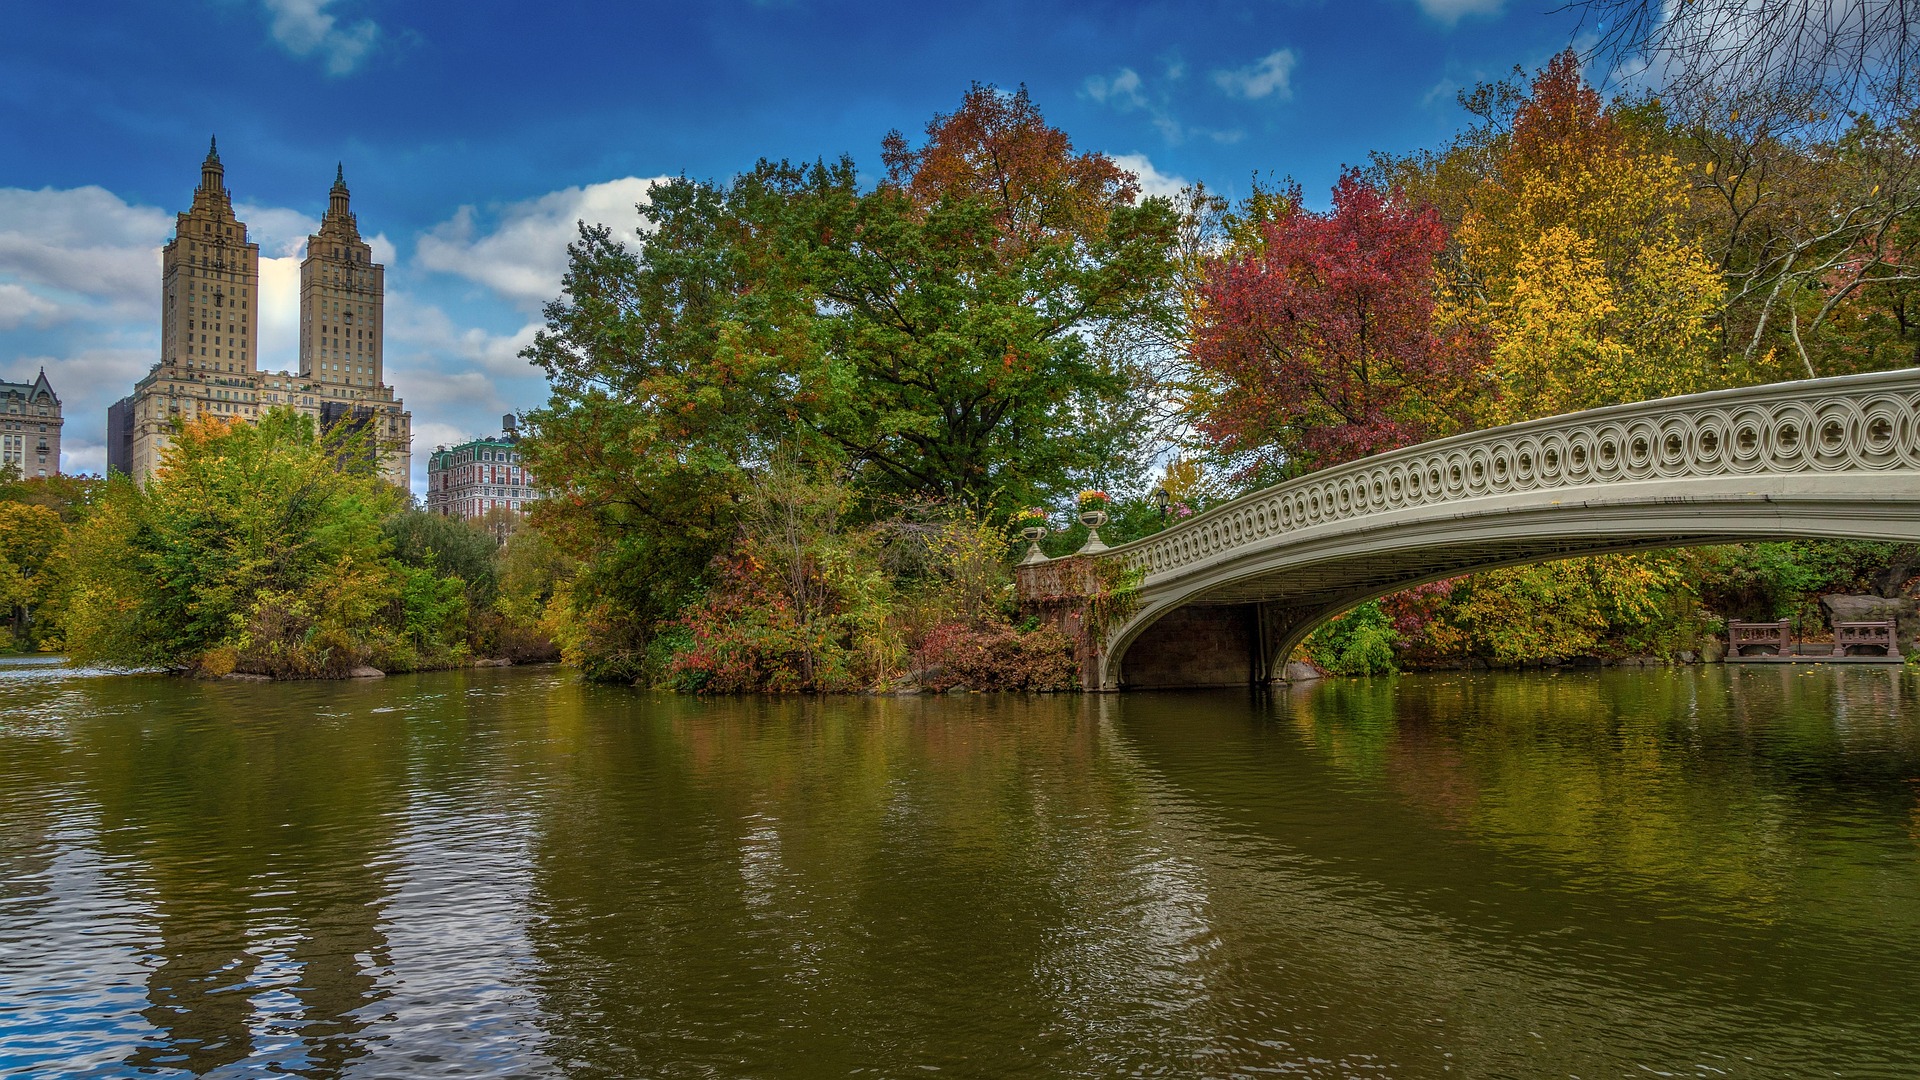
211,171
337,197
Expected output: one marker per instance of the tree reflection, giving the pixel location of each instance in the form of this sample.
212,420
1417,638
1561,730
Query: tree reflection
1719,782
253,820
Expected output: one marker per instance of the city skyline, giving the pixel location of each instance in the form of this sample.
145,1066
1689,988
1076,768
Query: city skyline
475,143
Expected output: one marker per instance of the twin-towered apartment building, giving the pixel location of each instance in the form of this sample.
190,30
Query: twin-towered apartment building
210,335
209,354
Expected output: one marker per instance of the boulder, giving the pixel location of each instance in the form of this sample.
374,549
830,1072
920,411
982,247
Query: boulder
1300,671
365,672
1904,611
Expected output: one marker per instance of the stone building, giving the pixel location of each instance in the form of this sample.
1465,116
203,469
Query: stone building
30,427
468,480
210,327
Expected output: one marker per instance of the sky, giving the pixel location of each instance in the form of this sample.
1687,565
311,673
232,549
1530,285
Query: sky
474,136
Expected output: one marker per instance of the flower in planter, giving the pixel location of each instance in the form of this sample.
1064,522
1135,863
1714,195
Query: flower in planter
1033,517
1094,500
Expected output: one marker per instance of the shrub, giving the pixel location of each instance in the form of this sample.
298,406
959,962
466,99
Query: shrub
996,658
1359,642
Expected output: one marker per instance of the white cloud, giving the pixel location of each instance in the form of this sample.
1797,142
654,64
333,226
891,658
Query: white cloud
280,232
19,307
429,329
88,378
1446,90
1451,11
1269,76
82,250
1127,92
524,253
1122,91
1152,180
305,28
433,434
279,318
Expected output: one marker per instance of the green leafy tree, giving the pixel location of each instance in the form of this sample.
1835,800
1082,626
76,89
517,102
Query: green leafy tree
941,335
254,545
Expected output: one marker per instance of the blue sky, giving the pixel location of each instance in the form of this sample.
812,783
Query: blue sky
474,135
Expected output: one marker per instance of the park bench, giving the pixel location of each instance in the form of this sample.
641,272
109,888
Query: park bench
1760,637
1868,634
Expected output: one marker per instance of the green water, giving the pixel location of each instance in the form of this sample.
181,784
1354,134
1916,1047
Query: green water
1706,872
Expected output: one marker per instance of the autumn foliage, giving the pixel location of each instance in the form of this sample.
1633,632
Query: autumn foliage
1323,345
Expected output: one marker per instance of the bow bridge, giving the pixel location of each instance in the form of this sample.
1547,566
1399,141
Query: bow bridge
1229,594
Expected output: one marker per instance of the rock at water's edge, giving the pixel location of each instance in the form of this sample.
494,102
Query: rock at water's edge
1301,671
365,672
1903,611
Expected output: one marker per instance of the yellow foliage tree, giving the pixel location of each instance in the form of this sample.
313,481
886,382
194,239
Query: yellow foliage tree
1592,290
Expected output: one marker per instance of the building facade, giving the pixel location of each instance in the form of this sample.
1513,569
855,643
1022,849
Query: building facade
210,326
30,427
469,480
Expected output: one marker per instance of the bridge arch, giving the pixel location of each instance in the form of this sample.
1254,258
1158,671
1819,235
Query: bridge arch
1810,459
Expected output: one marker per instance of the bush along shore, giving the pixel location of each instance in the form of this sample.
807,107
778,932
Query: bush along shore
792,433
267,550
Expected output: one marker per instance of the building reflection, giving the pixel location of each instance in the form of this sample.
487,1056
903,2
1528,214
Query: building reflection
256,835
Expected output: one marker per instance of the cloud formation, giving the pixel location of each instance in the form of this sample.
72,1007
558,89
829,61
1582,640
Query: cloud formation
304,28
1451,11
1152,180
79,253
1122,90
425,327
1125,91
1269,76
19,307
522,256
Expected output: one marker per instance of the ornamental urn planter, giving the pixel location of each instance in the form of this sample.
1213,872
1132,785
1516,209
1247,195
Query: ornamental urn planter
1032,534
1092,519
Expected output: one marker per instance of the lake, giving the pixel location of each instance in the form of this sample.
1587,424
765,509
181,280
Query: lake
506,872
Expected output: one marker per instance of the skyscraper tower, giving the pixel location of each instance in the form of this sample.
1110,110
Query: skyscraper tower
210,283
210,324
342,295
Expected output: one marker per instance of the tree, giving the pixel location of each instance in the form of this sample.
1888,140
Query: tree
254,545
1578,261
1831,56
1324,344
31,565
449,547
946,334
1815,238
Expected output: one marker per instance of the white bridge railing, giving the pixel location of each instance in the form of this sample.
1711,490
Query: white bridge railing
1867,423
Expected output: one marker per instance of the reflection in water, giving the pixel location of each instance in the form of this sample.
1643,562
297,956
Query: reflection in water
508,873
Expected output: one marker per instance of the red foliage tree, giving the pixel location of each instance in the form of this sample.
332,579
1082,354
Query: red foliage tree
1322,346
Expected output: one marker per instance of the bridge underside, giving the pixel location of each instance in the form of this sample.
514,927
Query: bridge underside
1243,634
1237,622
